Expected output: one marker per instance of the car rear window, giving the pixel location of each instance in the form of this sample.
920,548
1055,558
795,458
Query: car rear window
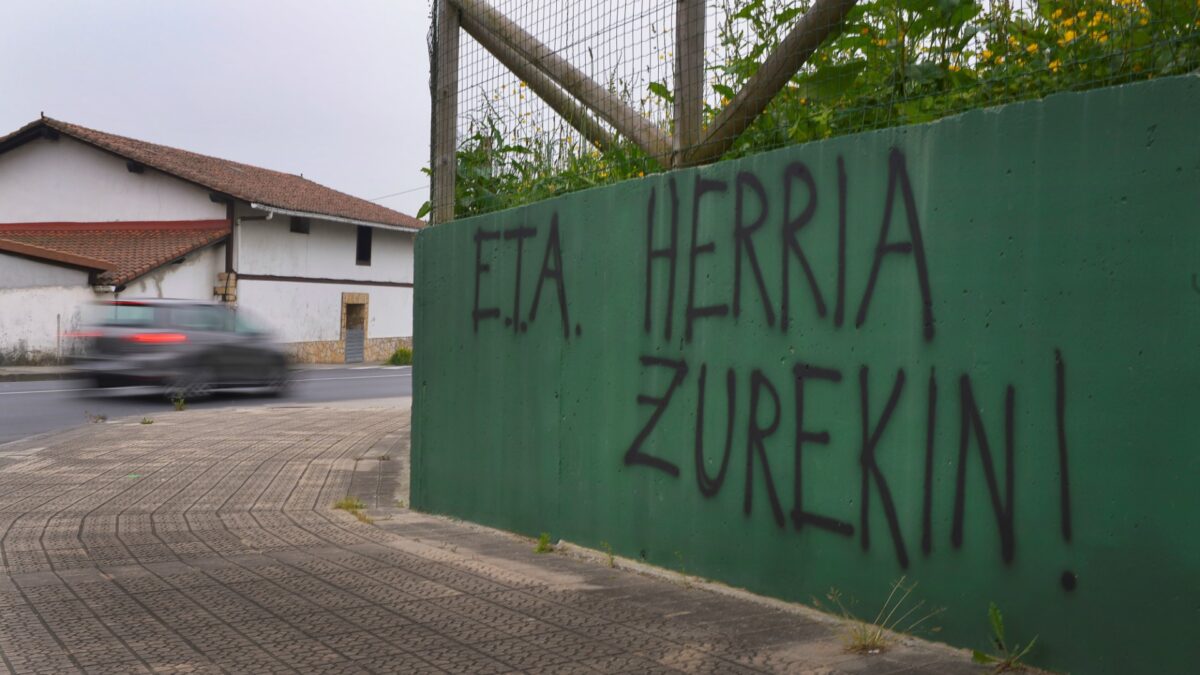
122,314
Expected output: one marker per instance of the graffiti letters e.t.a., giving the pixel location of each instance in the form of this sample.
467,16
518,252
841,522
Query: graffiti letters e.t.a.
551,270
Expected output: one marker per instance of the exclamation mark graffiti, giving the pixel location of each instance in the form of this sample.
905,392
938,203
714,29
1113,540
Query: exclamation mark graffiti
1064,481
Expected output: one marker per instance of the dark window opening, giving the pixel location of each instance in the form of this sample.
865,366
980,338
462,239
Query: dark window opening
299,225
363,255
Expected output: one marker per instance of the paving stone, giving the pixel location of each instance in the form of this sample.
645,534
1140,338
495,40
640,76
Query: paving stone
225,556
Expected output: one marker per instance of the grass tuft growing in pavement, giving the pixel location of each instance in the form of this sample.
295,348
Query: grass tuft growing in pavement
355,507
543,544
349,503
897,615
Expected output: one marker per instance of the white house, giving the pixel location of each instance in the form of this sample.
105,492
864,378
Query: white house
86,215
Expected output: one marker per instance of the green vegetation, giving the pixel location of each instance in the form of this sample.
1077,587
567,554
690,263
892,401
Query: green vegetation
179,402
1006,658
543,544
355,507
896,62
147,420
608,553
897,615
401,357
349,503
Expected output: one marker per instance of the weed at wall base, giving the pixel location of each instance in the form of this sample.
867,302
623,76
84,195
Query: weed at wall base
897,616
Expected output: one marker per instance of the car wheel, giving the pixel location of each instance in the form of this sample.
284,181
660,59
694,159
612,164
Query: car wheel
192,385
279,381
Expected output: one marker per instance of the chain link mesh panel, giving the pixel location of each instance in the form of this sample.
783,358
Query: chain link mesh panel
886,63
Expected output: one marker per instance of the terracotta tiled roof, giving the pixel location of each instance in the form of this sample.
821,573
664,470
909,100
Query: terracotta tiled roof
243,181
126,250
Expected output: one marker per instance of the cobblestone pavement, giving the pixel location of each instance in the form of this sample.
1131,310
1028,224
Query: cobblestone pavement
207,542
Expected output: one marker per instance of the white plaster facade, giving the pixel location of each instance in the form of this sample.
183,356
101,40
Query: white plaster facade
295,283
48,181
193,279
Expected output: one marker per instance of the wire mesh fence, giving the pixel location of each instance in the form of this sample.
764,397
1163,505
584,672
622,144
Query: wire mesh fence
556,112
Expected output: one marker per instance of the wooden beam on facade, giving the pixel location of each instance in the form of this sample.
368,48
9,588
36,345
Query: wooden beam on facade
627,121
562,103
689,76
823,20
444,160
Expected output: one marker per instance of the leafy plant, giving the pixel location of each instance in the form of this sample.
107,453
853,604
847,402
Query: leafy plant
403,356
608,552
543,544
897,615
179,402
1006,657
349,503
147,420
895,62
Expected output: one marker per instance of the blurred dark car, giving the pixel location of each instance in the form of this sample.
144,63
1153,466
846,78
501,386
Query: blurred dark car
187,348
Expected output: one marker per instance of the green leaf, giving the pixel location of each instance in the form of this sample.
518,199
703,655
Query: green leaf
659,89
831,81
997,621
424,210
787,15
980,657
747,12
724,90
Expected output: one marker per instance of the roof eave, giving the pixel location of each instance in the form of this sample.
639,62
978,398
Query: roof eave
336,219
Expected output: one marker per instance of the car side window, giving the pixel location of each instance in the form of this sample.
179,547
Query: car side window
200,317
243,325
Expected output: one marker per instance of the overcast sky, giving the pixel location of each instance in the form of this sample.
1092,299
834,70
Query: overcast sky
336,90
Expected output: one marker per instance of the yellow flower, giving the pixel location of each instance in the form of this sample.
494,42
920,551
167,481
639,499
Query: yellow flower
523,85
1069,35
1055,65
1013,41
881,42
1081,13
1067,23
1102,38
1143,21
1000,59
954,68
1057,13
987,54
1032,48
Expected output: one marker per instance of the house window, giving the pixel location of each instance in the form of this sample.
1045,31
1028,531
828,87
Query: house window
363,256
299,225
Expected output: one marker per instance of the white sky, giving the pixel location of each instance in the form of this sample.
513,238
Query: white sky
336,90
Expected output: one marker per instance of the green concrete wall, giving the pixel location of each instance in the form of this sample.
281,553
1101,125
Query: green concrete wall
965,352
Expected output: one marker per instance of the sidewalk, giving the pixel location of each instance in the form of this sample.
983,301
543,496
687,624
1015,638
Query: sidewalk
207,541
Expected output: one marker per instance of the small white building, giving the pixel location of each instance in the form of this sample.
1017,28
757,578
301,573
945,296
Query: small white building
86,215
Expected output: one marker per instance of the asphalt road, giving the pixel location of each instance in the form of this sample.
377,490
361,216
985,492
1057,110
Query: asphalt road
39,406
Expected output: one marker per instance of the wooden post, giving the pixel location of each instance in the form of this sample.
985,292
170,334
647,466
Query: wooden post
689,77
822,20
627,121
444,160
562,103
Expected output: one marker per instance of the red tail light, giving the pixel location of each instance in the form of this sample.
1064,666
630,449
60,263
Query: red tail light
157,338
